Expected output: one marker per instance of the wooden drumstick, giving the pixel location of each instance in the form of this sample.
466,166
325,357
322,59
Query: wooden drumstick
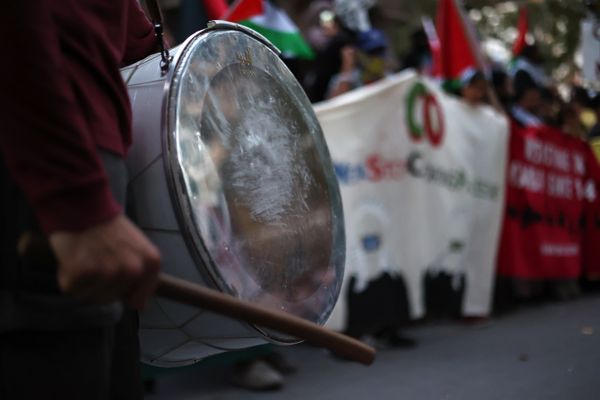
38,252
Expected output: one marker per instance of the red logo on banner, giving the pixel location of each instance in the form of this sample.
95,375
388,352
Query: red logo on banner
428,123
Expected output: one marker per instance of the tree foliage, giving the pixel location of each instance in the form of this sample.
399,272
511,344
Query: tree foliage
554,25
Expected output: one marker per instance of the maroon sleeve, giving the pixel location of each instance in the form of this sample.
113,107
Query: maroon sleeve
43,138
141,41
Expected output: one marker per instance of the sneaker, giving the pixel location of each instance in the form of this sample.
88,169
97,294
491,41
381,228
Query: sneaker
257,375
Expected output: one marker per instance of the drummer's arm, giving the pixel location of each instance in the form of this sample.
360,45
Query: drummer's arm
50,154
44,139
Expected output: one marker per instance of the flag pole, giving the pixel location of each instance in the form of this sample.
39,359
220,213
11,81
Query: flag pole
434,47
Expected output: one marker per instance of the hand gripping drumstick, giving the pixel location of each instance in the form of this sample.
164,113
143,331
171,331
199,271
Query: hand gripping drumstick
38,252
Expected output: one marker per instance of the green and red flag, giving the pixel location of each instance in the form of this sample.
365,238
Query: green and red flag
459,47
273,23
523,30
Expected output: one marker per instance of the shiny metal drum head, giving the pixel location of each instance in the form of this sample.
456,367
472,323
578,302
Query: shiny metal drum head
251,177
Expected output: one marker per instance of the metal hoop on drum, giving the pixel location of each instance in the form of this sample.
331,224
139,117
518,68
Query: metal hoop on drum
232,179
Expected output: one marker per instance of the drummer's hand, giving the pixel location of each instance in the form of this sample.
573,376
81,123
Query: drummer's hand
108,262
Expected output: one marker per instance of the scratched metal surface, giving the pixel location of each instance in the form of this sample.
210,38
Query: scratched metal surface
257,178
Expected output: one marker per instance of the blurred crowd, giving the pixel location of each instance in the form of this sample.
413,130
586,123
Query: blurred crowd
347,59
351,52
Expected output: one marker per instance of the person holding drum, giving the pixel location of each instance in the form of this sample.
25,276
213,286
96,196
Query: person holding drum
66,127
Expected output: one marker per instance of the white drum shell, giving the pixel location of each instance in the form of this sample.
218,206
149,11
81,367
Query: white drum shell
171,334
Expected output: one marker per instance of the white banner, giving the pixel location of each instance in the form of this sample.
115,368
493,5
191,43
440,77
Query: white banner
422,182
590,46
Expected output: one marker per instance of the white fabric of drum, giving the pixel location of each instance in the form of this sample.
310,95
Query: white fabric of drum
445,215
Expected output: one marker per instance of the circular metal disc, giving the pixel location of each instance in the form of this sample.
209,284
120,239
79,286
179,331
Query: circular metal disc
254,181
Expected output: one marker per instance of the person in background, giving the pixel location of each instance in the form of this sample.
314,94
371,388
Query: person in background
473,87
528,100
503,87
552,109
530,62
570,121
580,100
322,25
419,55
361,64
329,40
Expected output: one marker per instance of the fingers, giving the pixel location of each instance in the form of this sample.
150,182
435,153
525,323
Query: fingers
98,281
116,281
107,263
134,280
144,287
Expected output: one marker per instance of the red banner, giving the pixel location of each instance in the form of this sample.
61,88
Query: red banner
548,182
591,223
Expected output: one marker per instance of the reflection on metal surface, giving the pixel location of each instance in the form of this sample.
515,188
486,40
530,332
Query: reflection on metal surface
252,171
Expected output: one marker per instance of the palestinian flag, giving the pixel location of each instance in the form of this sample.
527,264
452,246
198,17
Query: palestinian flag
523,30
273,23
459,48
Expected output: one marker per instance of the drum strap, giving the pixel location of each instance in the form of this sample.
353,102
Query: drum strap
155,11
157,20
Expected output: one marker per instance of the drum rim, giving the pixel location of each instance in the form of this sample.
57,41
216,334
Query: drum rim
194,241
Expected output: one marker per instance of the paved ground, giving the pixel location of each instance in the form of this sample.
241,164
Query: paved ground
545,352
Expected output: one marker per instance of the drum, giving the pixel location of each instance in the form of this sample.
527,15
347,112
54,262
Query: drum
231,178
